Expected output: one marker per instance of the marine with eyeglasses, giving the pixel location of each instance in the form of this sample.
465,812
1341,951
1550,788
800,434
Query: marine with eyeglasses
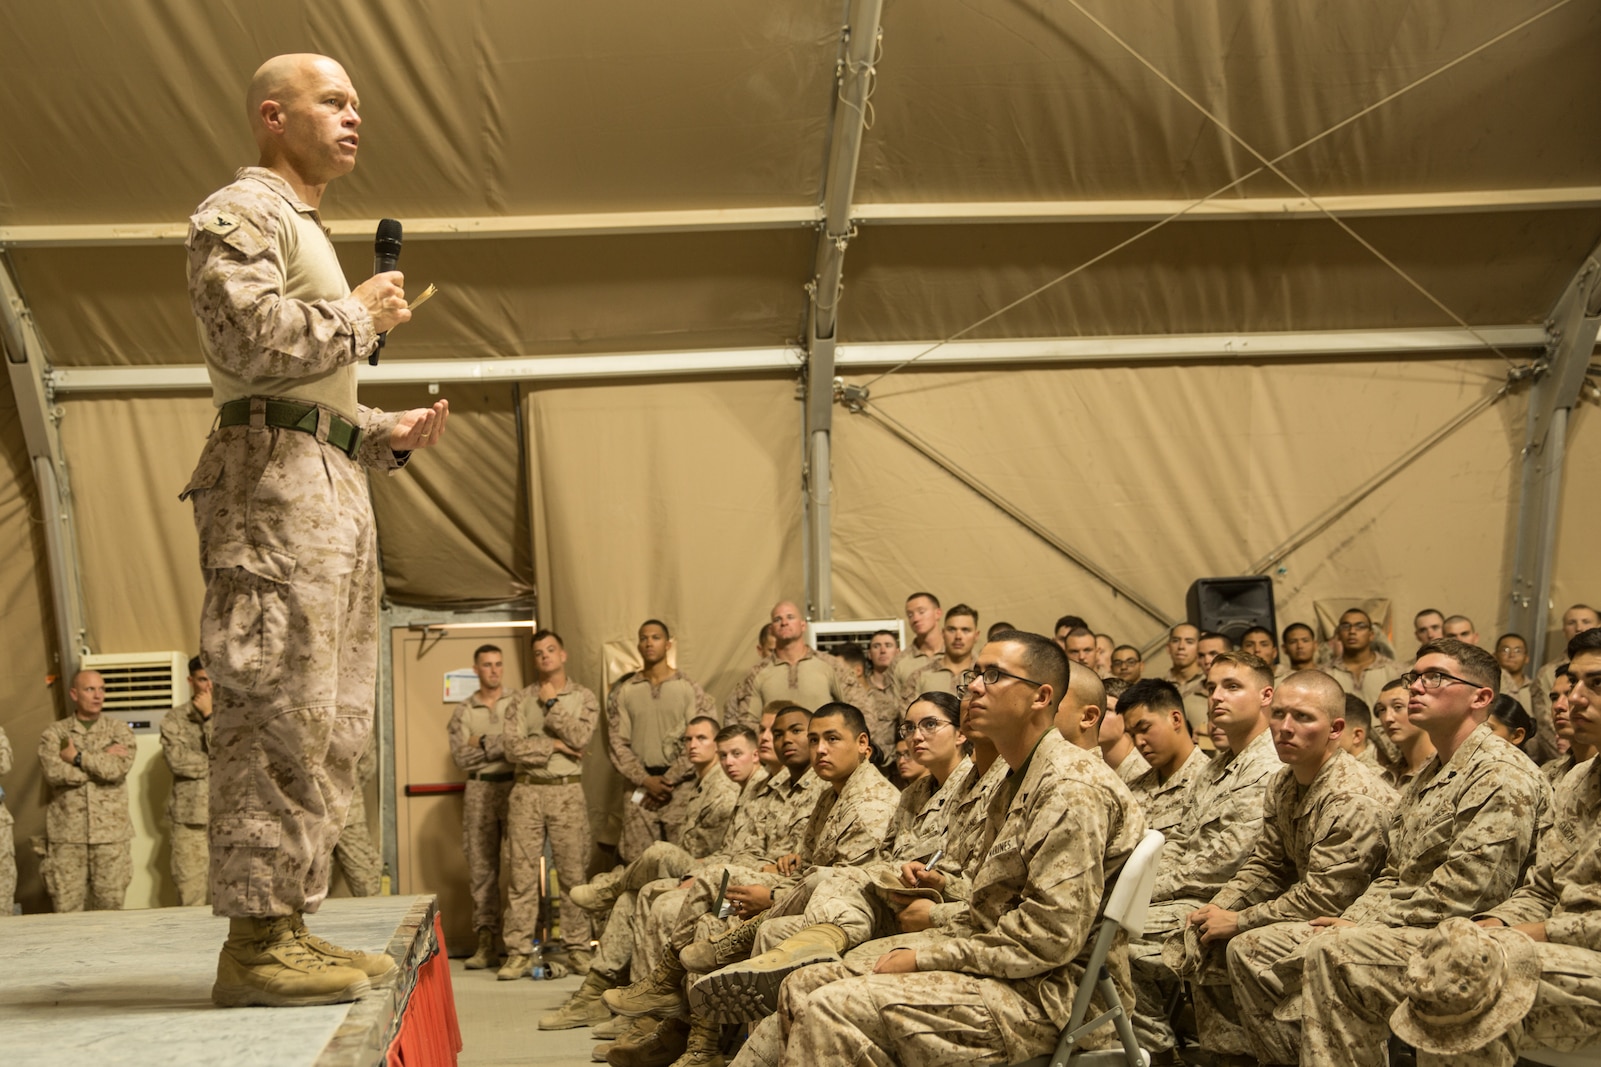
1360,668
1463,837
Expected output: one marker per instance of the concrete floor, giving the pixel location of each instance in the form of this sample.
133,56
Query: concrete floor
500,1021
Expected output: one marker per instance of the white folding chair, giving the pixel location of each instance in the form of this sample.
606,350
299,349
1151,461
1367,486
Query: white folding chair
1125,907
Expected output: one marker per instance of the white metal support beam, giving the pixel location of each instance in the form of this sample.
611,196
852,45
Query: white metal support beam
1427,343
853,84
986,212
1558,376
29,373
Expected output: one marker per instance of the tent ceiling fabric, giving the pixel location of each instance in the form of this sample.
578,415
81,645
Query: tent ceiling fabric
497,108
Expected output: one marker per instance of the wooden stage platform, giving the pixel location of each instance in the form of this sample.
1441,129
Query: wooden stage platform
134,987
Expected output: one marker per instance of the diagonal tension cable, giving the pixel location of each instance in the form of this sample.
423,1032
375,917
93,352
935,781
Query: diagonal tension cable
1269,165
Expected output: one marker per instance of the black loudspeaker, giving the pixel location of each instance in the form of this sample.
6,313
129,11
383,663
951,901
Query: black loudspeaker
1231,606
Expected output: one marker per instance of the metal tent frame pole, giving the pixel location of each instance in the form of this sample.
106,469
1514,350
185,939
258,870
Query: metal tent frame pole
853,84
1558,376
29,372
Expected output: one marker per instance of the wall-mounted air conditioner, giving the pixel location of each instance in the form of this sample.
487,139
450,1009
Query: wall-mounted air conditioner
829,636
141,686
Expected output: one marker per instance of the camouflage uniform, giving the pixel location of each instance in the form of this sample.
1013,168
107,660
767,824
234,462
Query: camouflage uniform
1370,683
1164,801
967,837
707,813
1133,768
289,626
1553,771
1542,744
997,989
1196,713
1321,845
843,895
8,851
354,850
907,663
87,823
770,825
547,799
186,741
936,675
1221,823
485,799
1463,836
645,728
1563,891
843,829
814,680
883,712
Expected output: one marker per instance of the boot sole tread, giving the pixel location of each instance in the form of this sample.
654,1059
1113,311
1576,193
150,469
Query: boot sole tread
248,996
746,993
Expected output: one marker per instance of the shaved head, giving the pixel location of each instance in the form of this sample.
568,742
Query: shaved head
283,77
1084,686
1324,691
303,115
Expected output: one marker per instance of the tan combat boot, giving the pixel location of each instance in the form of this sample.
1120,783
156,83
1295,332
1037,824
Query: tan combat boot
583,1008
375,965
632,1033
658,993
612,1028
517,965
659,1048
749,990
728,946
487,955
263,964
705,1048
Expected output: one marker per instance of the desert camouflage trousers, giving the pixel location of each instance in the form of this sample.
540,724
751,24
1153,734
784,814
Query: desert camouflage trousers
1154,981
355,853
8,863
1351,980
92,876
643,827
832,1013
660,869
191,862
699,898
839,895
534,813
288,633
483,832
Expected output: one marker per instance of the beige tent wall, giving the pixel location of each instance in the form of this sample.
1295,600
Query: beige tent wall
1162,474
453,524
28,699
677,500
129,458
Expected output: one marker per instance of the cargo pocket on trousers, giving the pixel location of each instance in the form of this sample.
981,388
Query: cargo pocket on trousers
244,849
245,615
207,472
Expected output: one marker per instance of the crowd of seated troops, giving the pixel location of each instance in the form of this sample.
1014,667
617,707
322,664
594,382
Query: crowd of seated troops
906,850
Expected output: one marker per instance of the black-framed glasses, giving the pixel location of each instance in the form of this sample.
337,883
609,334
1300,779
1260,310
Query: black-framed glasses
1435,680
1359,627
926,727
989,675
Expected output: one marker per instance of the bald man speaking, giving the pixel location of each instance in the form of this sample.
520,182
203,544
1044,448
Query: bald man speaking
288,631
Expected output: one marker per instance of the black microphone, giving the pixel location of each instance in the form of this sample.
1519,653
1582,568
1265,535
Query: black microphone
385,254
